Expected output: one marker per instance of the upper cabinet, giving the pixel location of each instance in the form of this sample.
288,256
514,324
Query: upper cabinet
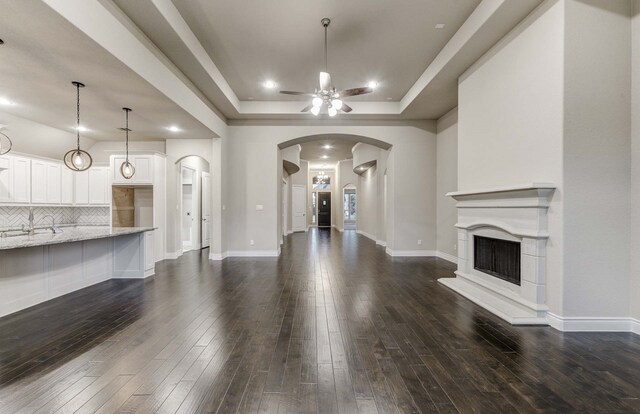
26,180
143,165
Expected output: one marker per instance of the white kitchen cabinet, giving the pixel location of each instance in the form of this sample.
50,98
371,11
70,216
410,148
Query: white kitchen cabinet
54,183
5,179
66,185
149,258
21,180
38,181
143,165
81,187
99,185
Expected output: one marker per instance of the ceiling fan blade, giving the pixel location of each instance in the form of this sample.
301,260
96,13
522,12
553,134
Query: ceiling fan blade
346,108
295,93
355,91
307,108
325,81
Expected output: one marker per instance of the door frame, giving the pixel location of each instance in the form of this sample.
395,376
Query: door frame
204,222
194,189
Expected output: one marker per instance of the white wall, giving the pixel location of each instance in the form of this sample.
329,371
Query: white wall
596,161
635,165
102,150
367,214
550,103
447,181
252,178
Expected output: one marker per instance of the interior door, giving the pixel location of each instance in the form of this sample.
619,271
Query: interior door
324,209
299,207
206,210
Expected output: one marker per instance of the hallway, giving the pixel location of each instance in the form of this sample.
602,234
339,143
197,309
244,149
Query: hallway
333,325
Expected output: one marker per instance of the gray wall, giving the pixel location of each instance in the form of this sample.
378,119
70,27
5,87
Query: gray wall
447,234
635,166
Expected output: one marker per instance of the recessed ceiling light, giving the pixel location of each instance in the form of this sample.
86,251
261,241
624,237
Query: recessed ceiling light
270,84
327,146
372,84
389,99
5,101
440,26
250,98
173,128
325,157
80,128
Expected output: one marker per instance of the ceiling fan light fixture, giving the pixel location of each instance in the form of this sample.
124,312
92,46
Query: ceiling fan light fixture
315,110
317,102
332,111
336,103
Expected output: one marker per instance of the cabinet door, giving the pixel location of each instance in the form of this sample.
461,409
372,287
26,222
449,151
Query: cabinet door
98,185
144,169
66,185
81,187
54,182
38,182
149,259
5,179
21,176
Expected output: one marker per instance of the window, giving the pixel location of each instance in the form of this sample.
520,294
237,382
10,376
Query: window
321,182
350,206
313,207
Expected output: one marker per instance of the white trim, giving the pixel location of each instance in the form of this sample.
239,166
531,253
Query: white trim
218,256
447,257
173,255
593,324
508,188
253,253
410,253
382,243
367,235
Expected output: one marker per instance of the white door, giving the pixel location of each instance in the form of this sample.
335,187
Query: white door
206,209
299,207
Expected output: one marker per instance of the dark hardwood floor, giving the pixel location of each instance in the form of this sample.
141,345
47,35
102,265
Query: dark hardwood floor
333,325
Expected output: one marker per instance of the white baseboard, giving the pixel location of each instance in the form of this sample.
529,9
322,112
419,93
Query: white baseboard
218,256
410,253
173,255
381,243
289,232
593,324
253,253
367,235
447,257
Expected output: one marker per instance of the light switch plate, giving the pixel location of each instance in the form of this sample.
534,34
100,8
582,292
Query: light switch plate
259,207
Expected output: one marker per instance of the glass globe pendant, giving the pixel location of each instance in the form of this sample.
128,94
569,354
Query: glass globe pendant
77,159
127,170
5,143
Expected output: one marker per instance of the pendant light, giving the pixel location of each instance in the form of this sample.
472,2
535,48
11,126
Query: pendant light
5,143
77,159
127,169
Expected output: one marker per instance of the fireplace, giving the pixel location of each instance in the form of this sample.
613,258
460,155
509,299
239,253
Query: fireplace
502,250
497,257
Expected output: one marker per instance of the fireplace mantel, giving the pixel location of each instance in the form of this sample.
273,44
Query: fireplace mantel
517,213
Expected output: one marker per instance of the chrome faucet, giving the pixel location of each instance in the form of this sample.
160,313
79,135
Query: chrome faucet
29,230
53,227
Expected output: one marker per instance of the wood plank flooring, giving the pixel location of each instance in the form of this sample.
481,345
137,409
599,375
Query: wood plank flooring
332,326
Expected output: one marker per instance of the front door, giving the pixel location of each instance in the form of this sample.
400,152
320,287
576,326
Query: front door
324,209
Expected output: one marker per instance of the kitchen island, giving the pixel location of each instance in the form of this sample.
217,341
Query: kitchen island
37,268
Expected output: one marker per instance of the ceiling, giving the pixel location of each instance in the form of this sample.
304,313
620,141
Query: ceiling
314,151
43,53
197,63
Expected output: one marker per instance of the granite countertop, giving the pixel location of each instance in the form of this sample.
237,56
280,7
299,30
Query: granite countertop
70,234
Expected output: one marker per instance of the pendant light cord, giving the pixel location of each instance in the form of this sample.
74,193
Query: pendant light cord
78,115
127,134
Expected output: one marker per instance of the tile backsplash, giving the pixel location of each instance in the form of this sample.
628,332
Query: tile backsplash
11,217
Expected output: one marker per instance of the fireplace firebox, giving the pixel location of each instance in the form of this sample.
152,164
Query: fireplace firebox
497,257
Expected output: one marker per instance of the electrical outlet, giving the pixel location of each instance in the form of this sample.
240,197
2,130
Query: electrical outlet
455,247
419,242
251,242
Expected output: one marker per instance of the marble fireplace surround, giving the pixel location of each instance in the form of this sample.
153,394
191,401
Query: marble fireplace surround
516,213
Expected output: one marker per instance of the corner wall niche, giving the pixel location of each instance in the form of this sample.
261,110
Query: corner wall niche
510,222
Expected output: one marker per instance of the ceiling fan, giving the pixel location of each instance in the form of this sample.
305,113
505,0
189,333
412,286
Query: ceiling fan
327,95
